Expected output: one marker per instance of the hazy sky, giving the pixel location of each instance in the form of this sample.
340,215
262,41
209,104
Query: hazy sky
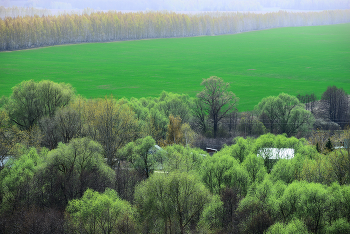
183,5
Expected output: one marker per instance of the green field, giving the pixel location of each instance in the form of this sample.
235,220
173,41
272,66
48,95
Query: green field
257,64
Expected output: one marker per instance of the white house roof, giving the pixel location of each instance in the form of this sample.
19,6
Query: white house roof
276,153
4,161
154,149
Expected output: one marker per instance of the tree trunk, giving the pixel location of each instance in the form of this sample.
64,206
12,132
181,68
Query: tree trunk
215,121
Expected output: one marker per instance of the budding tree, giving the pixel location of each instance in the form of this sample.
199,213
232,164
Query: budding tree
217,100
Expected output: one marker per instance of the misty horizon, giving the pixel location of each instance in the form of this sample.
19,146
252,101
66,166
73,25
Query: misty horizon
181,5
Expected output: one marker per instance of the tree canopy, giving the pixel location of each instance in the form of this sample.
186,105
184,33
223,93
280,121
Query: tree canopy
30,101
284,114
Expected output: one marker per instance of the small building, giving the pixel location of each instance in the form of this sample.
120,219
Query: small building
276,153
272,155
211,150
154,149
3,161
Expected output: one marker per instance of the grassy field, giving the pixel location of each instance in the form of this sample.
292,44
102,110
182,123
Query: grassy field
257,64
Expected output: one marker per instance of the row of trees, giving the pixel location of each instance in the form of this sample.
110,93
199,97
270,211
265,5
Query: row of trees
46,113
27,32
22,12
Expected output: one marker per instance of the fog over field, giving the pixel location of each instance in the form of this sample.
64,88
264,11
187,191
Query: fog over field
183,5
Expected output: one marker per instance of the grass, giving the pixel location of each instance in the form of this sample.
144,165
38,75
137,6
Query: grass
257,64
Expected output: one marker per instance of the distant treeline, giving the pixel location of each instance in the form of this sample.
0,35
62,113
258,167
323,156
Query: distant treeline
26,32
22,12
184,5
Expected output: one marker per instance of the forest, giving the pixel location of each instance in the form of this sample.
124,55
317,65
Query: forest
106,165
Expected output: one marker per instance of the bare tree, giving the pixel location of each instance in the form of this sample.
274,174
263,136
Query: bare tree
217,100
51,137
198,112
337,103
309,101
69,123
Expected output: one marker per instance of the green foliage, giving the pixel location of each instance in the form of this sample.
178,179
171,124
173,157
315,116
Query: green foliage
153,121
288,170
338,227
326,169
220,171
172,201
211,218
257,209
314,204
9,137
299,204
153,113
255,167
30,101
345,205
254,216
267,141
284,114
16,180
180,158
174,104
242,148
98,212
305,201
72,168
295,226
142,155
157,125
284,170
336,103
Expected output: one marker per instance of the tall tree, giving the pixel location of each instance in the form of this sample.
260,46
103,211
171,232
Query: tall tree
200,117
218,100
337,103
